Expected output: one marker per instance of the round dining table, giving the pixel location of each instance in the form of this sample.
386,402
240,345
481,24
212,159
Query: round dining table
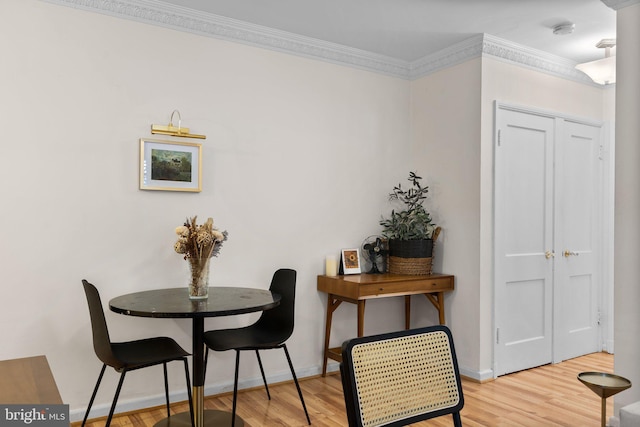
175,303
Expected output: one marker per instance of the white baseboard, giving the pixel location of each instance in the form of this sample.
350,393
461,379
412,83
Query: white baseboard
102,410
480,376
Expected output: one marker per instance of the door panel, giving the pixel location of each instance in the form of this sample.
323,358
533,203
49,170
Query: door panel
524,198
579,287
547,232
577,272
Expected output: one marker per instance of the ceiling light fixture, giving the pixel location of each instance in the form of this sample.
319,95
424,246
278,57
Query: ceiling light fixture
602,71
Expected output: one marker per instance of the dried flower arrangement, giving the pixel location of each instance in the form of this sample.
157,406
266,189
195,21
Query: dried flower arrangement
198,243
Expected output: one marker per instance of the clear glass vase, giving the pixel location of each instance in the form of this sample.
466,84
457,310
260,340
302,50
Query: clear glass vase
199,284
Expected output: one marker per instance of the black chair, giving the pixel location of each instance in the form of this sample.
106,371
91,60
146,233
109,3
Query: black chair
270,331
400,378
131,355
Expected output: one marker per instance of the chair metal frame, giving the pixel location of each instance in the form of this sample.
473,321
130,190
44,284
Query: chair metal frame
400,378
131,355
270,331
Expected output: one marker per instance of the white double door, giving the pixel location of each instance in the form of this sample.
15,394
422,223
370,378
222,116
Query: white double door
548,231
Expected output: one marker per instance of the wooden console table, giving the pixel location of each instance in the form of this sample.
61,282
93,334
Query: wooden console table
28,380
358,288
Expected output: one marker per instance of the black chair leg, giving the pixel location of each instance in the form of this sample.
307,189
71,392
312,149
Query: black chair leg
264,379
348,396
186,375
115,399
206,359
457,422
235,390
166,387
295,379
93,396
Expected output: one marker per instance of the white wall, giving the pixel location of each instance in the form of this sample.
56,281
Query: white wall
627,204
453,126
446,128
609,215
298,161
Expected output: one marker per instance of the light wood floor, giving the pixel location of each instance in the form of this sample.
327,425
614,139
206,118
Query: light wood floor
547,396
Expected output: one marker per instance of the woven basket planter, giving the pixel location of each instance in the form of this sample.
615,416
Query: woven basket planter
413,257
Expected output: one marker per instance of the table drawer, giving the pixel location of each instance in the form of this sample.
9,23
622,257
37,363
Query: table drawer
407,288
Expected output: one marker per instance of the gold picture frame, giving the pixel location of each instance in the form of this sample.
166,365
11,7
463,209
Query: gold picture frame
170,165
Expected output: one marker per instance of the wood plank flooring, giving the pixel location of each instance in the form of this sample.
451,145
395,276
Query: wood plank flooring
548,396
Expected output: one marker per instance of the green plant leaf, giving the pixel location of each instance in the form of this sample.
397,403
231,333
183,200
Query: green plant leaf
413,222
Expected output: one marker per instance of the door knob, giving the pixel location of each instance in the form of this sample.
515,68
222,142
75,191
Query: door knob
549,254
568,253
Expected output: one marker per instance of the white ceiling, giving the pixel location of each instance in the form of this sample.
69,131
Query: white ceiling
412,29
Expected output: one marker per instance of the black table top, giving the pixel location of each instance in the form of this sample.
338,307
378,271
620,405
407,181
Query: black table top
175,302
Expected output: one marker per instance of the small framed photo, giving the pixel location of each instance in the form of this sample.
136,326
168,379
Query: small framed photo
350,260
170,166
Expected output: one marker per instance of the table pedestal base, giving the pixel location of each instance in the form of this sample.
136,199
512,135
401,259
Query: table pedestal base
211,418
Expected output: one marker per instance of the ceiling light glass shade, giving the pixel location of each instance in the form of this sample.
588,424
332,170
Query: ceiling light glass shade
602,71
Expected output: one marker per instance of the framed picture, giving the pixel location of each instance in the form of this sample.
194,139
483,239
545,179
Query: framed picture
350,260
170,166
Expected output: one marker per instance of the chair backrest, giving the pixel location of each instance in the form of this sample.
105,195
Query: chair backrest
101,340
279,321
400,378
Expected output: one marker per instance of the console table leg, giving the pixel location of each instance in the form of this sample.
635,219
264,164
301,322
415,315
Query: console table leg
361,317
332,304
437,300
407,312
441,307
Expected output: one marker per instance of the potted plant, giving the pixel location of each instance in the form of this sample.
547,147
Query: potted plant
410,231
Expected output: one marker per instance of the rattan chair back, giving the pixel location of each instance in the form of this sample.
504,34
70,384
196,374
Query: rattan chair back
401,378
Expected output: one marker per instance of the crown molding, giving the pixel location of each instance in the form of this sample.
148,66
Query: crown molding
162,14
534,59
619,4
486,45
156,12
447,57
